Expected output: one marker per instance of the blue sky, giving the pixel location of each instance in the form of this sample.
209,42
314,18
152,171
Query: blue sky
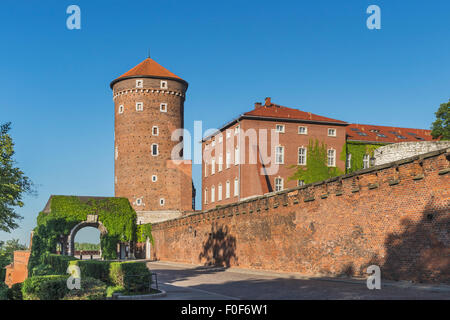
317,56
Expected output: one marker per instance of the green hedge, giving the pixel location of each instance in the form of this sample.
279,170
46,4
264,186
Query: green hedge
93,268
132,276
90,289
51,287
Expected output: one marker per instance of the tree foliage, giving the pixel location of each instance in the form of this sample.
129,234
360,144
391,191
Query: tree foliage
441,127
316,168
13,183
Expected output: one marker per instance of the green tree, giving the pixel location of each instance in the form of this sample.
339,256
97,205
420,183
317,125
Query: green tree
13,182
7,254
316,168
441,127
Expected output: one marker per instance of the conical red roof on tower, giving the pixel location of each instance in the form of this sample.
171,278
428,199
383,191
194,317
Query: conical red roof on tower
148,68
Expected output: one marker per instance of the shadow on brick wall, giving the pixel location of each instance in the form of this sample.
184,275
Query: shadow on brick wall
421,253
220,247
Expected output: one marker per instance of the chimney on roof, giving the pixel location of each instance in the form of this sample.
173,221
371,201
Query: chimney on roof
258,105
268,103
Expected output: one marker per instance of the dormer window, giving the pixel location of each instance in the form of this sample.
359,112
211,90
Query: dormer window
121,108
139,106
139,83
163,107
164,84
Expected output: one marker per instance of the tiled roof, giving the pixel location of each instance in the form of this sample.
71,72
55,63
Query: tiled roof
149,67
366,132
270,110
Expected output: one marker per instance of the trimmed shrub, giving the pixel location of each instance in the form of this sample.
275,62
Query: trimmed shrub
93,268
114,289
3,291
132,276
15,292
91,289
58,263
52,287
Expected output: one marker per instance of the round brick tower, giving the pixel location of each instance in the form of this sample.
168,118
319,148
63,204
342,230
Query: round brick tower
148,107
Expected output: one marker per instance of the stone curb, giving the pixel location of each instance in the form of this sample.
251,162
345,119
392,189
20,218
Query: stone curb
117,296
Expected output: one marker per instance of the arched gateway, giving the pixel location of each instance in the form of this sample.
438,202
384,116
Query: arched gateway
91,221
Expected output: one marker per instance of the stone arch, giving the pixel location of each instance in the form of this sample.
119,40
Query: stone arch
83,224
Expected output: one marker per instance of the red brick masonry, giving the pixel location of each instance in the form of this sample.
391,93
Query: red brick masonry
17,272
395,216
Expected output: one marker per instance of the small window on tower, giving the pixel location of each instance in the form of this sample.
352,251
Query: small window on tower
163,84
155,131
154,178
139,83
139,106
154,149
139,202
121,109
163,107
162,201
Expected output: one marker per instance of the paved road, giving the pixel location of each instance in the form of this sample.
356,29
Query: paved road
189,282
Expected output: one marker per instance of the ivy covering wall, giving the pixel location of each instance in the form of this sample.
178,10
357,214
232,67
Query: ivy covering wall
116,214
358,150
316,168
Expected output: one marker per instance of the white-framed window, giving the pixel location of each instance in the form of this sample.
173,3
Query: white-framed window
348,163
300,183
331,158
219,192
279,128
154,178
331,132
279,155
302,156
139,201
213,194
139,83
121,108
220,164
155,130
213,143
206,196
139,106
116,153
366,161
236,130
302,130
155,150
236,156
228,134
163,107
236,187
206,168
227,190
228,160
220,138
164,84
213,165
279,184
162,202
